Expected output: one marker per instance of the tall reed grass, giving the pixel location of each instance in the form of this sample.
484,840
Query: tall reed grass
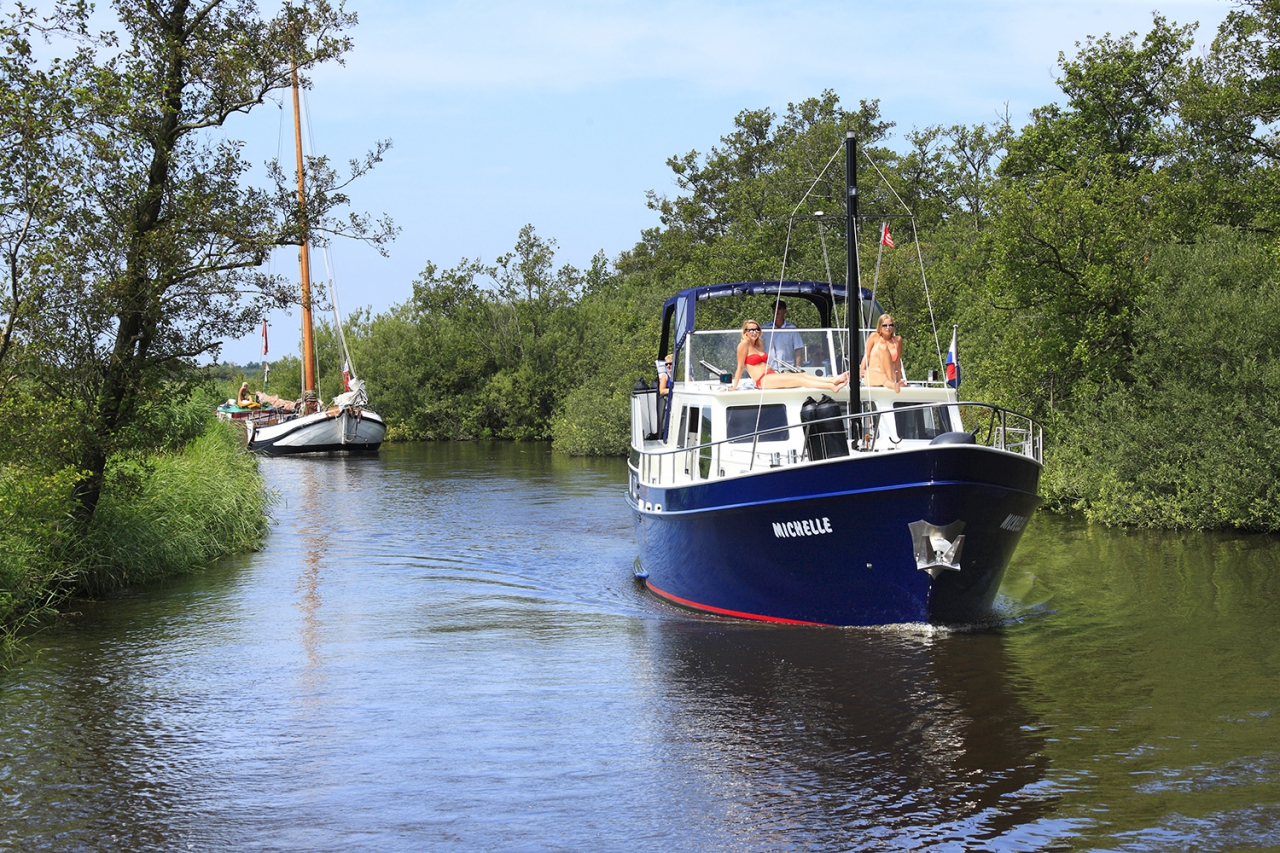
161,514
167,514
35,527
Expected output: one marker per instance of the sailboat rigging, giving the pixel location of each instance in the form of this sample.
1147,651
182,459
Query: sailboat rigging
347,424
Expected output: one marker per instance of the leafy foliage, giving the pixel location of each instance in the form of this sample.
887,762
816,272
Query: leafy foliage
1112,264
131,238
1193,440
132,231
482,350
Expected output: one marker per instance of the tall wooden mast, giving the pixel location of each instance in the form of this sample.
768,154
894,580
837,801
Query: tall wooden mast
310,399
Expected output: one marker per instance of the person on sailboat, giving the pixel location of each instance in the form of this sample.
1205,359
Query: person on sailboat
753,359
882,363
244,399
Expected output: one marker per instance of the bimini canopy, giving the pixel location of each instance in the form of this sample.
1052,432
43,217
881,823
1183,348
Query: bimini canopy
678,311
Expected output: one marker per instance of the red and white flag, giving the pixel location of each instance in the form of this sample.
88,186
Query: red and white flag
884,235
264,337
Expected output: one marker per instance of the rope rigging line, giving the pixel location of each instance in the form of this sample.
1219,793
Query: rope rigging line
782,277
329,266
919,257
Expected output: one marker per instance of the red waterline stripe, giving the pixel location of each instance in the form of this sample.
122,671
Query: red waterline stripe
735,613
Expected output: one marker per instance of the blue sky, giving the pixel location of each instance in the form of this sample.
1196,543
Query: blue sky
563,114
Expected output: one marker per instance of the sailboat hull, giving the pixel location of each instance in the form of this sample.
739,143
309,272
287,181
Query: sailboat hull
345,430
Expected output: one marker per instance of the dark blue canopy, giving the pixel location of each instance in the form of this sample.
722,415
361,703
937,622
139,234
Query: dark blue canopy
678,311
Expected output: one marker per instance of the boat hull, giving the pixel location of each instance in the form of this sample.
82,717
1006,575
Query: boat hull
348,430
833,543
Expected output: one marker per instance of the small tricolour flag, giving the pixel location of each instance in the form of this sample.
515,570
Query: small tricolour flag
885,239
264,337
346,376
953,362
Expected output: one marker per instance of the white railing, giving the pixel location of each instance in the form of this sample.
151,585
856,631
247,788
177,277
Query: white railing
994,427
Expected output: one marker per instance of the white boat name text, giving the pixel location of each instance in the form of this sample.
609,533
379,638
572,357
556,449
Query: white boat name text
806,527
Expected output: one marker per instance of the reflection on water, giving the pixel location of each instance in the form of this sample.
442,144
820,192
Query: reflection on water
442,647
314,545
1156,679
849,740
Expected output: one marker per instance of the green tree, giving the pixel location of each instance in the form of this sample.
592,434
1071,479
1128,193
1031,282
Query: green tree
1082,196
38,171
481,350
169,231
1231,108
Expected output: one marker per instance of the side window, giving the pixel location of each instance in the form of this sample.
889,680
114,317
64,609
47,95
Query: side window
745,420
921,424
680,433
691,415
704,455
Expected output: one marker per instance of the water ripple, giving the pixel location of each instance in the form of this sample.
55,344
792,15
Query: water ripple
444,648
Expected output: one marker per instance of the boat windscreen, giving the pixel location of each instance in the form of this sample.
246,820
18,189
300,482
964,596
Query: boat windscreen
714,353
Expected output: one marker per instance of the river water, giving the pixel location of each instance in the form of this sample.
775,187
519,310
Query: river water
442,648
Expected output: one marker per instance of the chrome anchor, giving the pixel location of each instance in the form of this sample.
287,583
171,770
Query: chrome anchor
937,548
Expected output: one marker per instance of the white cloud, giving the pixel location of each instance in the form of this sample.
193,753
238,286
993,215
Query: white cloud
735,47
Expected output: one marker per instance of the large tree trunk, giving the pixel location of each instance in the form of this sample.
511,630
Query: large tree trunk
138,310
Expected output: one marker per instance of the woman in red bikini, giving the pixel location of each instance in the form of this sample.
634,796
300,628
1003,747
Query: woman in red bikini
754,360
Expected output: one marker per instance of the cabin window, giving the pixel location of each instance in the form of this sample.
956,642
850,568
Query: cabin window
921,424
691,439
741,421
680,433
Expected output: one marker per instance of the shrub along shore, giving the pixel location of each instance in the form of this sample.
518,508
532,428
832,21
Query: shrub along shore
162,513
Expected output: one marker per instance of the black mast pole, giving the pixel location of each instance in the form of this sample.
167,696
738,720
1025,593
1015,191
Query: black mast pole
853,278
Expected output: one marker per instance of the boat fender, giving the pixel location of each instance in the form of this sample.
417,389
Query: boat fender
955,438
826,439
829,408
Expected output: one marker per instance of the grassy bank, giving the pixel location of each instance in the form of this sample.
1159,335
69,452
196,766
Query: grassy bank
161,514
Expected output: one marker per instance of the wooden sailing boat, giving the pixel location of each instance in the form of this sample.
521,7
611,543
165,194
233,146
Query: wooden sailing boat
347,424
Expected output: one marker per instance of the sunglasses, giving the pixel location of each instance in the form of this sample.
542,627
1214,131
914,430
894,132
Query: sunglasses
749,331
886,325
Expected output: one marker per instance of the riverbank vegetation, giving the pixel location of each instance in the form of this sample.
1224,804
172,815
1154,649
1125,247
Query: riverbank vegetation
177,505
1112,266
132,235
